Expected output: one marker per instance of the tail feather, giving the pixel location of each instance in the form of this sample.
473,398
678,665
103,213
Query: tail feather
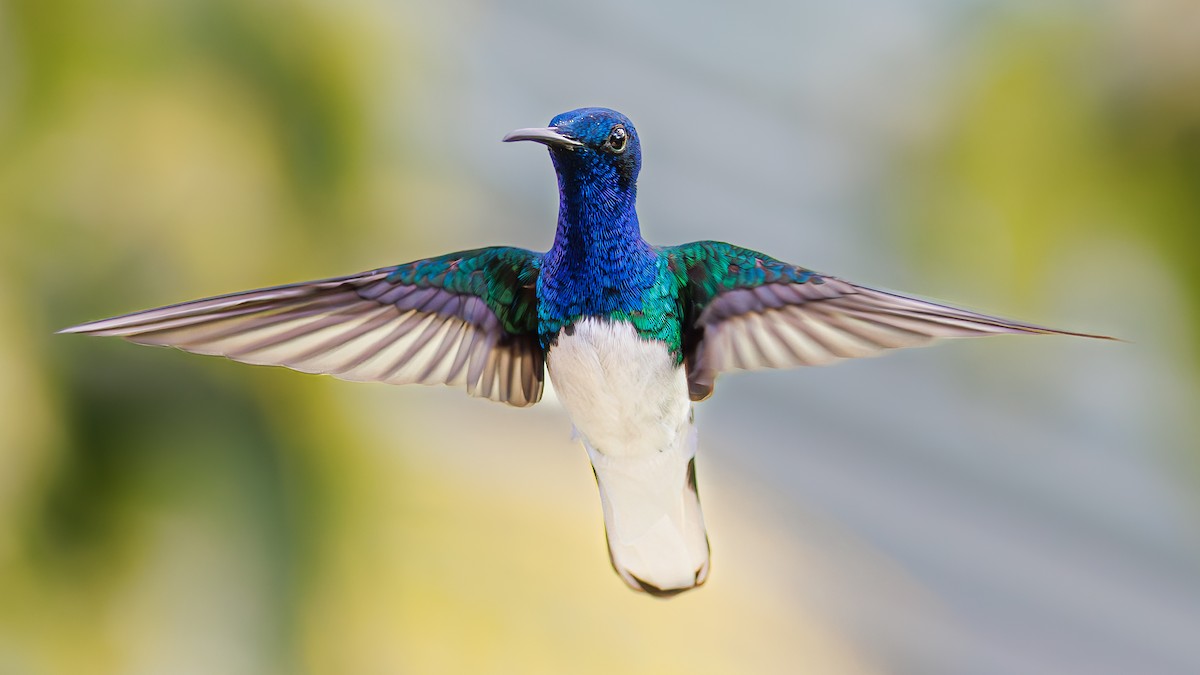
652,518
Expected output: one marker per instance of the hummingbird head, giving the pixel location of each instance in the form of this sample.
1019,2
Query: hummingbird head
595,152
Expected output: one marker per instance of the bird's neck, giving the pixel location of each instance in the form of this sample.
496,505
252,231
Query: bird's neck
599,264
597,223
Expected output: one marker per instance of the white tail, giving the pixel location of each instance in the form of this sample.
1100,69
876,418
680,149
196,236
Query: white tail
656,536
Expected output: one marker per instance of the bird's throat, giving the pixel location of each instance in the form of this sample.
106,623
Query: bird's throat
597,226
599,264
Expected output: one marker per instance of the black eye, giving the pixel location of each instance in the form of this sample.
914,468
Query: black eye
617,138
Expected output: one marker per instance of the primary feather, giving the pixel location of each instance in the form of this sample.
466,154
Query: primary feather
746,311
437,321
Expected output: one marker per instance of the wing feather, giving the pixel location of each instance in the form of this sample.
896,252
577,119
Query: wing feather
400,325
748,311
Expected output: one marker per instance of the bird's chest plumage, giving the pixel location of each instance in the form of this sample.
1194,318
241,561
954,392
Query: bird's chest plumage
627,395
635,287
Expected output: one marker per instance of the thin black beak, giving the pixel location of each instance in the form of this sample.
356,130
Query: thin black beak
547,136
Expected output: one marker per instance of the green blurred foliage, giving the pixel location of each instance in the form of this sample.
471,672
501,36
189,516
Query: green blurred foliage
1065,136
185,127
249,522
1071,145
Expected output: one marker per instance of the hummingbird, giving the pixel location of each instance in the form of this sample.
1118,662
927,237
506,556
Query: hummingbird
631,334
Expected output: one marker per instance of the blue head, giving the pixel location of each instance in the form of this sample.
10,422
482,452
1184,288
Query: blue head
597,157
599,264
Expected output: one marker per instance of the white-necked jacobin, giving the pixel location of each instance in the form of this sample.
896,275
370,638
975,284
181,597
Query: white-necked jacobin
632,335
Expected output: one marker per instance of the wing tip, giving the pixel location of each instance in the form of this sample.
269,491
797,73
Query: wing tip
80,328
1017,326
1042,330
100,327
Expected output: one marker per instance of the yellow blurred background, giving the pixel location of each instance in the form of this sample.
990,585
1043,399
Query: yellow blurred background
1006,506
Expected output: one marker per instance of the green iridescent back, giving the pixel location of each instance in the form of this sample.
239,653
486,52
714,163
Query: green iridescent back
701,270
504,277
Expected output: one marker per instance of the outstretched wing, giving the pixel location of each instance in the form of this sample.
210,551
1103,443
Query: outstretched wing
464,318
746,310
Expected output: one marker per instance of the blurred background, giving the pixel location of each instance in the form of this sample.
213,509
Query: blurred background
987,506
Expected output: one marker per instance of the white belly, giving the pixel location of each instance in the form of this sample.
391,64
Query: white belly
630,402
625,395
